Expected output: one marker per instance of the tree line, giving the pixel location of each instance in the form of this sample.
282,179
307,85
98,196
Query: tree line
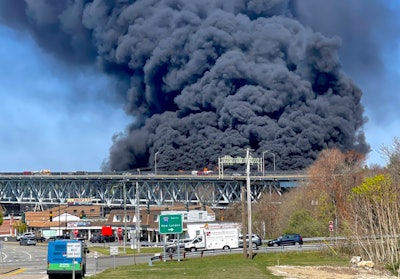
342,197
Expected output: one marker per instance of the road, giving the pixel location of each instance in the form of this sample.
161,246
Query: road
29,262
20,262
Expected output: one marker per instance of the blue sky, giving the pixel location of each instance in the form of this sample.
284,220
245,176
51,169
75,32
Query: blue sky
51,119
63,119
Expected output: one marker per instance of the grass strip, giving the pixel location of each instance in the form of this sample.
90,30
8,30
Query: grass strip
224,266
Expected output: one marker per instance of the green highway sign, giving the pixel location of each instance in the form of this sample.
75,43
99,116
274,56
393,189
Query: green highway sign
170,224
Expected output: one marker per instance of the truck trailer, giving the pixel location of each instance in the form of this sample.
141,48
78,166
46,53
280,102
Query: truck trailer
212,238
66,257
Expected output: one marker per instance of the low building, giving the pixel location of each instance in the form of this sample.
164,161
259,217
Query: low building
85,221
7,228
64,220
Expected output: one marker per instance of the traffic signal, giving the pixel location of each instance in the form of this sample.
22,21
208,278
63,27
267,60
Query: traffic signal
51,216
82,215
148,208
187,206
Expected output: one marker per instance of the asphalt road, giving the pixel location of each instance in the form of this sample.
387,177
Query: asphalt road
19,262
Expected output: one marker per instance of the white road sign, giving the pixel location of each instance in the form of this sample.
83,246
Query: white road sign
113,250
74,250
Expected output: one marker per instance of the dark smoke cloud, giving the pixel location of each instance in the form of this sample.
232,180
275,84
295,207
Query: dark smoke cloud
369,31
207,78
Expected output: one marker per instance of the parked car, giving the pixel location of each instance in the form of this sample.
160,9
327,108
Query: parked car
102,239
41,239
32,235
95,238
255,240
27,234
28,240
286,239
173,245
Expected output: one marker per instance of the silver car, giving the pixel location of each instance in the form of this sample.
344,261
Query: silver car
255,240
27,240
173,246
27,234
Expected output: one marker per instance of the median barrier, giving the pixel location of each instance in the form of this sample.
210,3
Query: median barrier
154,258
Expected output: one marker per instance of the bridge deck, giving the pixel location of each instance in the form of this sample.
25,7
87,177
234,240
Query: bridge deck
115,189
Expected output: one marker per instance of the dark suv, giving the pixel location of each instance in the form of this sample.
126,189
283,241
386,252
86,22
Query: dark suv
286,239
102,239
255,240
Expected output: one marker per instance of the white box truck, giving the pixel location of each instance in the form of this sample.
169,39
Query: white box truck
218,237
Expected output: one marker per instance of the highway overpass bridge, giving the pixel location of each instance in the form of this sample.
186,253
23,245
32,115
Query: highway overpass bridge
119,189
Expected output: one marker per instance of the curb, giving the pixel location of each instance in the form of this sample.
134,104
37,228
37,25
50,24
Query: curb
9,270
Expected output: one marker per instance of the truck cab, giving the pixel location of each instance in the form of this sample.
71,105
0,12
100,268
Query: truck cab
195,244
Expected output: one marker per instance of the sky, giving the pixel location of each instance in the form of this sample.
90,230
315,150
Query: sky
63,118
370,56
44,126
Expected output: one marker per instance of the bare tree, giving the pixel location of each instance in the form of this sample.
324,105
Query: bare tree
375,211
392,154
332,177
375,219
266,215
309,208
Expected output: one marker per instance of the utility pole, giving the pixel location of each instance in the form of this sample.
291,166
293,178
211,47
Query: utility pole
244,229
137,218
66,222
249,230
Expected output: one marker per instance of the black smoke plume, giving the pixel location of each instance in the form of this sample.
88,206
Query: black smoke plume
206,78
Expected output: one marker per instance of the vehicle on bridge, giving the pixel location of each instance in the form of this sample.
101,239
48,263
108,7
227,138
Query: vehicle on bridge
204,171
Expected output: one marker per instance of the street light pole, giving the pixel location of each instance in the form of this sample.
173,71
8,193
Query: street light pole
263,162
273,155
155,163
